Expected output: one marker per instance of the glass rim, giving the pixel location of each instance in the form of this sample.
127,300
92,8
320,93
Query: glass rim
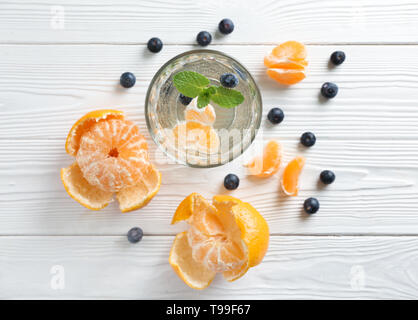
158,73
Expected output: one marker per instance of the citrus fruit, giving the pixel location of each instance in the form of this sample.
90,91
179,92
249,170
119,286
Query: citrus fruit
205,115
228,237
267,164
193,135
287,62
290,178
286,76
83,124
111,156
291,50
80,190
194,274
137,196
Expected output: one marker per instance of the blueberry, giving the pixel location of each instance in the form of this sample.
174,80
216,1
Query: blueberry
308,139
155,45
127,80
185,100
229,80
337,57
135,235
275,115
231,181
327,177
203,38
226,26
311,205
329,90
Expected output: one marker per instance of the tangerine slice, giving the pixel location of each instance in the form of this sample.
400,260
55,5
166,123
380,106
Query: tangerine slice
206,115
290,49
193,135
272,61
286,76
287,62
267,164
290,178
81,191
113,154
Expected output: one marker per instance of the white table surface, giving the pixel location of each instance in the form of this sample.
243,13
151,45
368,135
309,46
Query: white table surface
60,59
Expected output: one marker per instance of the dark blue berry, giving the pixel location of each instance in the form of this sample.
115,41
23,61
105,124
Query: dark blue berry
127,80
337,57
311,205
329,90
275,115
135,235
231,181
185,100
327,177
155,45
203,38
226,26
229,80
308,139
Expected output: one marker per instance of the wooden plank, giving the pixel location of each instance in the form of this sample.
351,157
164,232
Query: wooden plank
374,193
43,91
267,21
294,268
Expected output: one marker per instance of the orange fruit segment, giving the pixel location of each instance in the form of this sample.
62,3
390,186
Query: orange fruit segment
84,123
290,49
286,76
267,164
272,61
227,237
290,178
81,191
111,156
137,196
196,136
205,115
287,62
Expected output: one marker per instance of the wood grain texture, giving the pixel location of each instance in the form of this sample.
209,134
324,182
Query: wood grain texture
44,89
372,152
361,244
375,191
294,268
132,21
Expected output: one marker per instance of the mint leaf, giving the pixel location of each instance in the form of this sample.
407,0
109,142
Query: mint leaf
190,83
203,100
204,96
227,98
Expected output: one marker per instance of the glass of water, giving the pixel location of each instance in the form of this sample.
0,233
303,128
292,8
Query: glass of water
235,127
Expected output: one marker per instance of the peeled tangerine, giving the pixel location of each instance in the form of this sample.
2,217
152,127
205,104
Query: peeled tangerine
111,157
287,62
228,236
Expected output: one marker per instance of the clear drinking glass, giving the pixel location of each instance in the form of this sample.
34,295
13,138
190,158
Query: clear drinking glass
236,127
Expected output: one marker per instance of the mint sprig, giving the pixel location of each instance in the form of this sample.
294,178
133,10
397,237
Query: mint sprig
193,84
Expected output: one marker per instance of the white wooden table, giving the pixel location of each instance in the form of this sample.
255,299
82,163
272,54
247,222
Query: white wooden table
60,59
